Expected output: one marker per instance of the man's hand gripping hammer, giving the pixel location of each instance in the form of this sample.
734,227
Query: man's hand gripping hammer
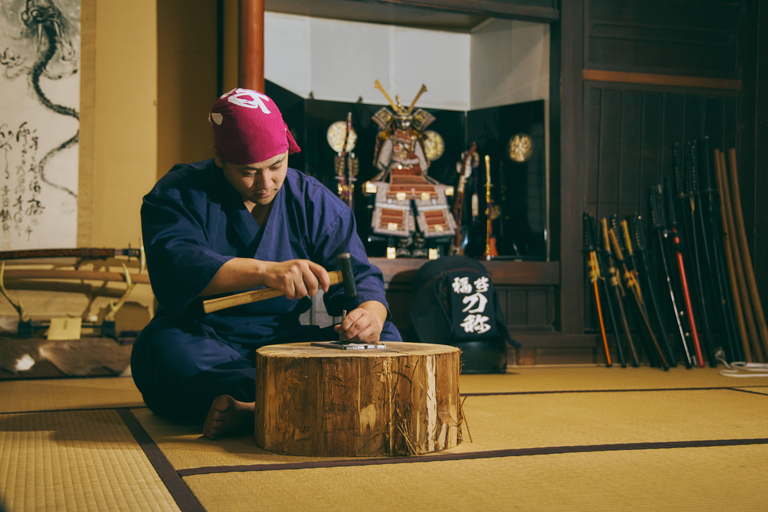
344,275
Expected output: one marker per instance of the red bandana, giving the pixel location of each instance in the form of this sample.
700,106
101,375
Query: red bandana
248,128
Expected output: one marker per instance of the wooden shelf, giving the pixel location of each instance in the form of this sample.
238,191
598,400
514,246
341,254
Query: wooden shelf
503,272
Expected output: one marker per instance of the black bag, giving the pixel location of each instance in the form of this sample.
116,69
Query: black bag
455,304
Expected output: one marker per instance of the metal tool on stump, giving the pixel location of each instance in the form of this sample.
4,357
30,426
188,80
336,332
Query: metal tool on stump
343,275
350,290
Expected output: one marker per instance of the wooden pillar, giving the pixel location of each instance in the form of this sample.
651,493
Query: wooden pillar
251,41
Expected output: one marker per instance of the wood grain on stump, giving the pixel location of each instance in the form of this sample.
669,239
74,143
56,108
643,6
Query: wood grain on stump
315,401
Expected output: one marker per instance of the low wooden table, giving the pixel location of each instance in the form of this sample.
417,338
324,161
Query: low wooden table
315,401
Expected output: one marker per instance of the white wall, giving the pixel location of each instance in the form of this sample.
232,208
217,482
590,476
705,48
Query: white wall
509,63
340,60
501,62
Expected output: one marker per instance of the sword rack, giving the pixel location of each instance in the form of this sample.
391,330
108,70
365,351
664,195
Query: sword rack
707,302
39,291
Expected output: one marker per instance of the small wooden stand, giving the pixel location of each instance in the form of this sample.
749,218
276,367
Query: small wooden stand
315,401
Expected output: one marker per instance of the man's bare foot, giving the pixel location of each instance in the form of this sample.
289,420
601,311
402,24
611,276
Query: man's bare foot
228,417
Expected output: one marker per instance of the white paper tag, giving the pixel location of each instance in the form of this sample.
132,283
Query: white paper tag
65,329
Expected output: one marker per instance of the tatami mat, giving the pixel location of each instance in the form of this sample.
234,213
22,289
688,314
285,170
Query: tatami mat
702,479
76,460
555,438
689,411
585,378
525,421
58,394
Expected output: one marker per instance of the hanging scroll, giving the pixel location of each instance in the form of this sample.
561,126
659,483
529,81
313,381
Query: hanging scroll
39,122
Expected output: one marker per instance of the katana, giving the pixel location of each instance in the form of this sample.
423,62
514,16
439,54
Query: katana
658,221
593,272
677,249
618,293
633,286
653,305
690,203
604,287
613,226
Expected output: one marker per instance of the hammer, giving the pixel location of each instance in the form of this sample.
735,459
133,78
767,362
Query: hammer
344,275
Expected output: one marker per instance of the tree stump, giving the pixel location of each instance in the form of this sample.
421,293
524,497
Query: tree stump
315,401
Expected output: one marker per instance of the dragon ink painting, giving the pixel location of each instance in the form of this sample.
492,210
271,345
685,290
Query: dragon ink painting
39,122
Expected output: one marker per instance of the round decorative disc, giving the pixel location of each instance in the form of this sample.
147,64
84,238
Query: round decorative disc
433,145
520,147
335,136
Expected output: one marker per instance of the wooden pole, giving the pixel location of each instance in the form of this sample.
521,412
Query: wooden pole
749,271
738,284
738,312
251,50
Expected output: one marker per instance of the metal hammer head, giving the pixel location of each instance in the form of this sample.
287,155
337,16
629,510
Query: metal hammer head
345,265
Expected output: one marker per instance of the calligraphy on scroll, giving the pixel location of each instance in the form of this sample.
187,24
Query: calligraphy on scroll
39,123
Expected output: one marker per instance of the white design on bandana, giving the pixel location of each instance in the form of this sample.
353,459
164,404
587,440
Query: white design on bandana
249,99
215,117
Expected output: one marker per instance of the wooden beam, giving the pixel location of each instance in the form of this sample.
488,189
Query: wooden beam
251,50
95,275
546,12
597,75
570,192
517,273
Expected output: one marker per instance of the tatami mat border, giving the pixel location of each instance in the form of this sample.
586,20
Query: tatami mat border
514,452
634,390
79,409
183,496
750,390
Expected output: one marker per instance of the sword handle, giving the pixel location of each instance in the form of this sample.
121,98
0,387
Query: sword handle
606,238
627,238
616,248
589,242
656,207
670,213
694,185
637,229
706,170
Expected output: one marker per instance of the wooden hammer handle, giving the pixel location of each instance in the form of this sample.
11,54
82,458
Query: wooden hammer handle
238,299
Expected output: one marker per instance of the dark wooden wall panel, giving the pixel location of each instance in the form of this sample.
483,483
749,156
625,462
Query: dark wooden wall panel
609,152
537,308
713,121
631,149
592,131
676,37
652,149
693,127
672,129
514,306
